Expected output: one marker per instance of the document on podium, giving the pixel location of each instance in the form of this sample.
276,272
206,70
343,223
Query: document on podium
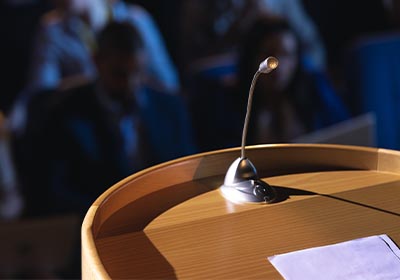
369,258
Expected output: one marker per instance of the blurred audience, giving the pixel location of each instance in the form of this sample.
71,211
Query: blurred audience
98,132
216,28
287,103
65,42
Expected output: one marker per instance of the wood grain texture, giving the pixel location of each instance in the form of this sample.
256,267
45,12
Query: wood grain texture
170,221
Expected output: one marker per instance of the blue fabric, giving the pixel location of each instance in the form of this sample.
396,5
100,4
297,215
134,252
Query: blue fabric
374,76
218,72
332,109
129,134
167,123
82,132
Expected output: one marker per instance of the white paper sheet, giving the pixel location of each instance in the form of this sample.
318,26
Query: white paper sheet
369,258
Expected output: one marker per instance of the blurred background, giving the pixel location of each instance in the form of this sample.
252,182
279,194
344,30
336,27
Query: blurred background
187,79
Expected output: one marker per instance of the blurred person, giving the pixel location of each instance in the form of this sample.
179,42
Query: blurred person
313,50
288,102
211,28
215,27
98,132
65,42
11,202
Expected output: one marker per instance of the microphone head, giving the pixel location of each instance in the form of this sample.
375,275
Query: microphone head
269,64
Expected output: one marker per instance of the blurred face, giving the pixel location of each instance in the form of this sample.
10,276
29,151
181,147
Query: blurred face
120,74
284,47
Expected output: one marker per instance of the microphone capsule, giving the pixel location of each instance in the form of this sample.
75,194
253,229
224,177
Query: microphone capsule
269,64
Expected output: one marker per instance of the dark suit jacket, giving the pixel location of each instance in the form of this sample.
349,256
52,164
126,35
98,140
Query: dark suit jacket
82,146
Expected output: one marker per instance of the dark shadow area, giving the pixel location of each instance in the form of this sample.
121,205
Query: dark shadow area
285,193
40,248
360,204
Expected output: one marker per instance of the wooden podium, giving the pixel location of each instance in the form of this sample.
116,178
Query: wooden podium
171,221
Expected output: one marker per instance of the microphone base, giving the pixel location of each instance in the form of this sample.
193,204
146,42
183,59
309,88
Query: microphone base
236,194
242,184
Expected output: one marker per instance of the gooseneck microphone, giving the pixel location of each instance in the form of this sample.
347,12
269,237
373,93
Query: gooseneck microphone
265,67
242,183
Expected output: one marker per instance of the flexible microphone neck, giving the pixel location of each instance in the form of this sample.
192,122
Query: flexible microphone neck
266,67
248,112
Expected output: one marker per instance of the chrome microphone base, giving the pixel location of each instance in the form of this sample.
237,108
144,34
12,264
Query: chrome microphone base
242,184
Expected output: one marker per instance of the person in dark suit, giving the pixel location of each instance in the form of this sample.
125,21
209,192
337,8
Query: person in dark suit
98,132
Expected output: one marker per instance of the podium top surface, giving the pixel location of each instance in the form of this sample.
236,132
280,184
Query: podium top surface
171,221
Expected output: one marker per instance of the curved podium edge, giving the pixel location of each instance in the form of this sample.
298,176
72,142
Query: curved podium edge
102,218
